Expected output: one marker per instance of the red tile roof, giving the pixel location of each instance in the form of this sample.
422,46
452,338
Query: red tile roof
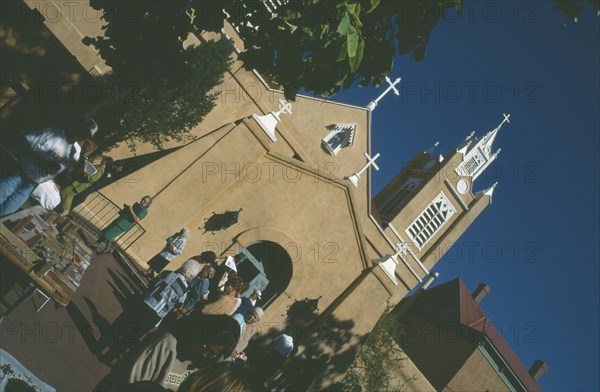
472,316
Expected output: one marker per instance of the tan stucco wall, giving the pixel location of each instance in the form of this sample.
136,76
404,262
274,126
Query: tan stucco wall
229,170
477,375
70,21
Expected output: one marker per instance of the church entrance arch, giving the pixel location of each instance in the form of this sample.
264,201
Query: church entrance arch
267,267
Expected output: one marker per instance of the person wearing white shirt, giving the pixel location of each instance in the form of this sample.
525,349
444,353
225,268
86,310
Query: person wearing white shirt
49,153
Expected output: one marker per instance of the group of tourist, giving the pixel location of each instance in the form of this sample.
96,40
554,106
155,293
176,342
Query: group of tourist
203,323
198,312
196,329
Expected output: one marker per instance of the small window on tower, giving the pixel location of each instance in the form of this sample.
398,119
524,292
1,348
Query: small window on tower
389,206
472,164
340,136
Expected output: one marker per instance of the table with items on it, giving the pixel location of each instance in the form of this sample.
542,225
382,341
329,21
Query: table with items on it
55,262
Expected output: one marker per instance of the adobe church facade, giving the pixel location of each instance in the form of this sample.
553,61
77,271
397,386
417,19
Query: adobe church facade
353,254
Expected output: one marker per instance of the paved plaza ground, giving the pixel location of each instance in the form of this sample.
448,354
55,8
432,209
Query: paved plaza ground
62,345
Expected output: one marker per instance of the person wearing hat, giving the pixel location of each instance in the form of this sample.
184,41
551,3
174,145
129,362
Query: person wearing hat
45,155
280,350
170,288
247,324
175,245
248,302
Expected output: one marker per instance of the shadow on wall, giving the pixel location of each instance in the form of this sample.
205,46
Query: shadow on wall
218,222
313,335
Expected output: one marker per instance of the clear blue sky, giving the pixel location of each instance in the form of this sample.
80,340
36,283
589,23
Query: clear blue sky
537,245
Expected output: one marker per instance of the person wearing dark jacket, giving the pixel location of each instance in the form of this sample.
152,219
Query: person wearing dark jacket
148,311
167,358
198,290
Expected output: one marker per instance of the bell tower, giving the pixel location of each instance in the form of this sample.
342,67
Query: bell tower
430,203
478,152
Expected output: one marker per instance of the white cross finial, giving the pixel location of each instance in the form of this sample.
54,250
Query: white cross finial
370,161
284,106
401,249
506,119
392,86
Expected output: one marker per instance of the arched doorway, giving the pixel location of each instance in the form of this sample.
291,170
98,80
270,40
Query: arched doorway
267,267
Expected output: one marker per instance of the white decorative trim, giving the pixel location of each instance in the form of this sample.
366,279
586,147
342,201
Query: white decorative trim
430,221
477,157
346,131
391,86
388,265
490,191
462,186
414,256
268,123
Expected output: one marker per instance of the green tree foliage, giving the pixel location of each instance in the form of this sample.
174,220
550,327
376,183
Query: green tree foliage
156,109
375,362
574,8
323,46
320,46
158,90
